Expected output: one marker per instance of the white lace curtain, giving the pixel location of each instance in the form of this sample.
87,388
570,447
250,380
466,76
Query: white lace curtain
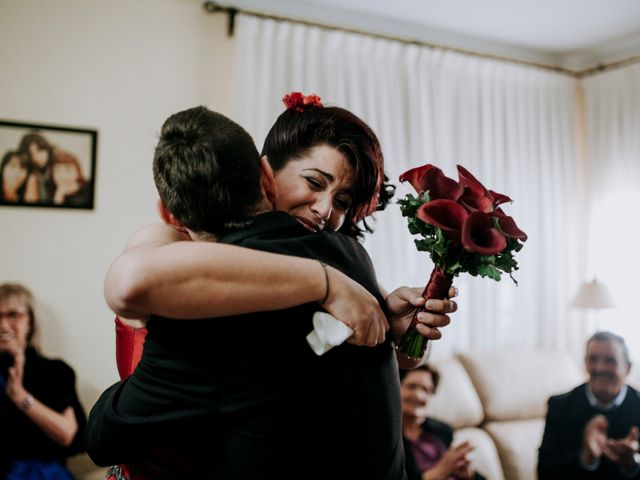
512,126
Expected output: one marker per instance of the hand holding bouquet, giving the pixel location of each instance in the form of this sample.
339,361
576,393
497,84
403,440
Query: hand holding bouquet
464,230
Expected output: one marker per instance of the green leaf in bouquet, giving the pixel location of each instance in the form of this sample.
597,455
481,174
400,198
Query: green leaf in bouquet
414,228
488,270
424,245
454,268
513,245
506,263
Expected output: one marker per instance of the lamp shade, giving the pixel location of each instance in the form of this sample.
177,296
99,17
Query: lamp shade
593,295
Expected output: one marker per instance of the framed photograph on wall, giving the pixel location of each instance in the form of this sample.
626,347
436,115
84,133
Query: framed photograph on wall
47,166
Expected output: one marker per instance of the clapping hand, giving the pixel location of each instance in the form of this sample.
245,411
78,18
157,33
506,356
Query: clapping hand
594,439
622,451
14,388
454,462
596,443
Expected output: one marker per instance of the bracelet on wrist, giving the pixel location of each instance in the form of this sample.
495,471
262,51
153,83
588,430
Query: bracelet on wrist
326,283
26,403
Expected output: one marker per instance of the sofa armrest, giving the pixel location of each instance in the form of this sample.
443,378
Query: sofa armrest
517,442
484,457
455,401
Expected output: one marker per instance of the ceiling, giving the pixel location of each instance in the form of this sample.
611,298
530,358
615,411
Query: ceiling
573,34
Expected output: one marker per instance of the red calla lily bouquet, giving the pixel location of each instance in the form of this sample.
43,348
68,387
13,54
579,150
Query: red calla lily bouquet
463,228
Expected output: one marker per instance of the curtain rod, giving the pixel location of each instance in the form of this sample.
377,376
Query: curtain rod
213,7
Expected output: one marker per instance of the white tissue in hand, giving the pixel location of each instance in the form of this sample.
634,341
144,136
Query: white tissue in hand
327,333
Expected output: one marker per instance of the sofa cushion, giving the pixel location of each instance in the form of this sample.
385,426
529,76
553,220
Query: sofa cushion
517,443
484,457
517,385
456,401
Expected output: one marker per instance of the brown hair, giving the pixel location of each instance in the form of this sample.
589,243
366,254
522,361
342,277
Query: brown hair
207,170
297,130
435,375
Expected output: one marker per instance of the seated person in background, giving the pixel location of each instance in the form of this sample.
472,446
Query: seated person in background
41,419
427,442
592,431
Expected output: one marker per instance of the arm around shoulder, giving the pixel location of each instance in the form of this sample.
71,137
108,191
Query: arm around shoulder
196,279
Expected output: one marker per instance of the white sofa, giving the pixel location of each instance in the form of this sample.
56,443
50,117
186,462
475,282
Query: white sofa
497,401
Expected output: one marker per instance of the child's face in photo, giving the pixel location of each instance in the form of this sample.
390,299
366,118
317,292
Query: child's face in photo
14,172
39,156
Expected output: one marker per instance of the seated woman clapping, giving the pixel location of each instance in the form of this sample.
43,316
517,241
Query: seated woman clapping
427,442
41,419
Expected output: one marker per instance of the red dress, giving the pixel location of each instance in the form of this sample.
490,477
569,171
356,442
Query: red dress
129,346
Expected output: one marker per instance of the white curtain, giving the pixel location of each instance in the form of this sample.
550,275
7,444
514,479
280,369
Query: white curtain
612,146
512,126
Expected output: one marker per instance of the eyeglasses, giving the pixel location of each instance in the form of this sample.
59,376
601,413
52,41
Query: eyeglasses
13,315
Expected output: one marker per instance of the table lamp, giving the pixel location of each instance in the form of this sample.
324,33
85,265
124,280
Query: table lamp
594,295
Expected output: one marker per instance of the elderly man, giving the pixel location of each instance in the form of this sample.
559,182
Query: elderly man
592,431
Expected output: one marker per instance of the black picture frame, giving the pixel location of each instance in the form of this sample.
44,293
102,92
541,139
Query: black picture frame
47,165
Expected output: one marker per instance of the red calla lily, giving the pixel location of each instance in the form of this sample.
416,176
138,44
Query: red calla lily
430,178
475,197
479,235
472,183
441,186
508,226
499,198
475,202
415,176
447,215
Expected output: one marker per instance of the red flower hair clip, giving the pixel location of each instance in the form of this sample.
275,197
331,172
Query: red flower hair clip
299,102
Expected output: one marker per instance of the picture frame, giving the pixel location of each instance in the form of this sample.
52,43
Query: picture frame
47,165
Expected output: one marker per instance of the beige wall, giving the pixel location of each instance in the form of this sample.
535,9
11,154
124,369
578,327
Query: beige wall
121,67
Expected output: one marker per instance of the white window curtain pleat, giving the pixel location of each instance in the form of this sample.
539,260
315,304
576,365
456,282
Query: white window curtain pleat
612,153
510,125
613,124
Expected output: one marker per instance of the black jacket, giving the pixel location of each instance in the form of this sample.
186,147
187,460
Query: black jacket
568,414
250,385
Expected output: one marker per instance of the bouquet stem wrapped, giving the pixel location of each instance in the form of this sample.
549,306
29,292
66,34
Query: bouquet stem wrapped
464,230
413,344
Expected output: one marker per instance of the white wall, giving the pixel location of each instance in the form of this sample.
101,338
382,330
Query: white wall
121,67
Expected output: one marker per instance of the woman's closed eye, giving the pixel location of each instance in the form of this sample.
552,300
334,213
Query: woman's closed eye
315,183
343,202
